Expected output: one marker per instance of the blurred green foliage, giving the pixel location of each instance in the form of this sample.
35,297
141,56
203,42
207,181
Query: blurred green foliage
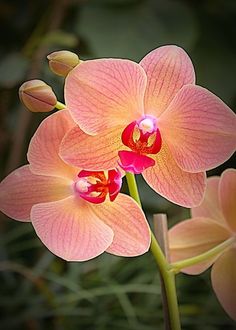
38,290
131,29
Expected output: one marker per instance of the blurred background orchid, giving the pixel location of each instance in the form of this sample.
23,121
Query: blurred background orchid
213,224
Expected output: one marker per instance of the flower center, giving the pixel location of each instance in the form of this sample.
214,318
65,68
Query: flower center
143,138
94,186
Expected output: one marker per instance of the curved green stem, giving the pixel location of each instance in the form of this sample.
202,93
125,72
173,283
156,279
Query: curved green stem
164,267
60,106
177,266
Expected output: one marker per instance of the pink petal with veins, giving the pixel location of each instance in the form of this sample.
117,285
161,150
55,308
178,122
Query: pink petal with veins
210,206
190,238
128,222
170,181
21,189
104,93
223,277
44,146
71,230
199,129
92,152
168,69
227,193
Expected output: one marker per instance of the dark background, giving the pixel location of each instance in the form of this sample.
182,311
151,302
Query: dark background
38,290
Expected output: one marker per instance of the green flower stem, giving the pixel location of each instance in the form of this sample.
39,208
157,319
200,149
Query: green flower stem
60,106
164,267
177,266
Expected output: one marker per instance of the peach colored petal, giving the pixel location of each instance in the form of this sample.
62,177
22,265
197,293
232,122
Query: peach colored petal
168,68
199,129
128,222
105,93
223,277
210,206
70,230
227,192
92,152
168,180
21,189
192,237
44,146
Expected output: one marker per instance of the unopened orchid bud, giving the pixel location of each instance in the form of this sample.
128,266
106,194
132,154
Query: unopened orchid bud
37,96
62,62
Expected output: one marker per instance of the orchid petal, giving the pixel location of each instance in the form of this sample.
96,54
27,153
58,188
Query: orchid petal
44,146
210,206
199,129
70,230
192,237
223,277
168,68
92,152
168,180
105,93
128,222
227,191
21,189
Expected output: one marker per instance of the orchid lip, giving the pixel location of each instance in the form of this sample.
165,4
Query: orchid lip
143,138
133,162
94,186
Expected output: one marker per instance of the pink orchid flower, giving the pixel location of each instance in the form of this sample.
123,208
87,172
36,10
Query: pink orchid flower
214,221
77,214
149,118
